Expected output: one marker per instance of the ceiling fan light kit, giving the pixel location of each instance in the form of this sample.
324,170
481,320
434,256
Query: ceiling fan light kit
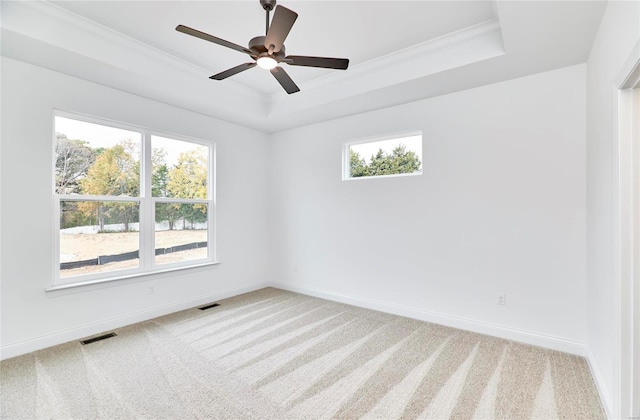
268,51
267,63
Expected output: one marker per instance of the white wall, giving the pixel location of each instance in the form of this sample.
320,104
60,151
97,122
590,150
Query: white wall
619,31
500,209
33,318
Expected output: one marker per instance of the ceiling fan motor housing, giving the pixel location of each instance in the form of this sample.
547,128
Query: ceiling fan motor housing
268,5
257,45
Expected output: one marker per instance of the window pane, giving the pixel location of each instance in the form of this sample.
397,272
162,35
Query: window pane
386,157
181,232
98,236
179,168
93,159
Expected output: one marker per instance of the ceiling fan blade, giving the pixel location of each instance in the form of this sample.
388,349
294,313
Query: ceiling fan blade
198,34
284,80
324,62
281,24
235,70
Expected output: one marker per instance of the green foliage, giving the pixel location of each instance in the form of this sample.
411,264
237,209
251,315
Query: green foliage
159,173
169,212
159,181
115,172
399,161
194,213
358,165
159,188
188,179
71,216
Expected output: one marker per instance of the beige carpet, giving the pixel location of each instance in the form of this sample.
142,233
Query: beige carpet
273,354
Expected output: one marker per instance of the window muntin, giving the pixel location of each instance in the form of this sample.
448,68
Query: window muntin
393,155
112,201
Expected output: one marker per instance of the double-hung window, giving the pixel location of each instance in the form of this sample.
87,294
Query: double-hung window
128,201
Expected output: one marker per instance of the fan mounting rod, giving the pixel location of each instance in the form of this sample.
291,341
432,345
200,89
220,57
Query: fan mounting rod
268,6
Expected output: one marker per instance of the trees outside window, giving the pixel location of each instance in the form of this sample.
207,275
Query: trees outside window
73,160
108,197
180,177
384,157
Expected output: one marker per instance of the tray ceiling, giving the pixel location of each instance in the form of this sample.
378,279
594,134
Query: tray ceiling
399,51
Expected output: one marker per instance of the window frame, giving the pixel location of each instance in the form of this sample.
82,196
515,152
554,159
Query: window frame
147,204
346,161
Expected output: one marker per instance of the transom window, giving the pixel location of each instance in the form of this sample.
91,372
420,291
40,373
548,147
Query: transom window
392,155
128,201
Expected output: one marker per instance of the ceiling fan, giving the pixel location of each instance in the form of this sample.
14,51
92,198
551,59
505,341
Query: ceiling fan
268,51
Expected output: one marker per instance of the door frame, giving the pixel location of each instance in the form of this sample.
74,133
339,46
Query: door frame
627,252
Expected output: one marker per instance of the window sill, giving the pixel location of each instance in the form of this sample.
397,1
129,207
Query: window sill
112,280
352,178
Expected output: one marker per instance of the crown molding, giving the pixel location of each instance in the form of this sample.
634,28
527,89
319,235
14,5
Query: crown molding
406,56
55,25
55,14
57,38
47,35
466,46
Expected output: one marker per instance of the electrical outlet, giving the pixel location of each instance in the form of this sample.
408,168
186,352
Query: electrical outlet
502,299
152,290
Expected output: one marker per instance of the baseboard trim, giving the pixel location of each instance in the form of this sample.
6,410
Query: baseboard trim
64,336
528,337
605,397
542,340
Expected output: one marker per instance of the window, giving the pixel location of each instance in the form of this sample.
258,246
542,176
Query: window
393,155
128,201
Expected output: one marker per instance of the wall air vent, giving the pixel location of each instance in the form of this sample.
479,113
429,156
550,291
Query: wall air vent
98,338
211,305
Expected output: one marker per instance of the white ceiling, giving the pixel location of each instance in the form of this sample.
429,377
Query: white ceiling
355,30
399,51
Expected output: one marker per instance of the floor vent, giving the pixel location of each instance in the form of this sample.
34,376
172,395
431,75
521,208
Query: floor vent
213,305
98,338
